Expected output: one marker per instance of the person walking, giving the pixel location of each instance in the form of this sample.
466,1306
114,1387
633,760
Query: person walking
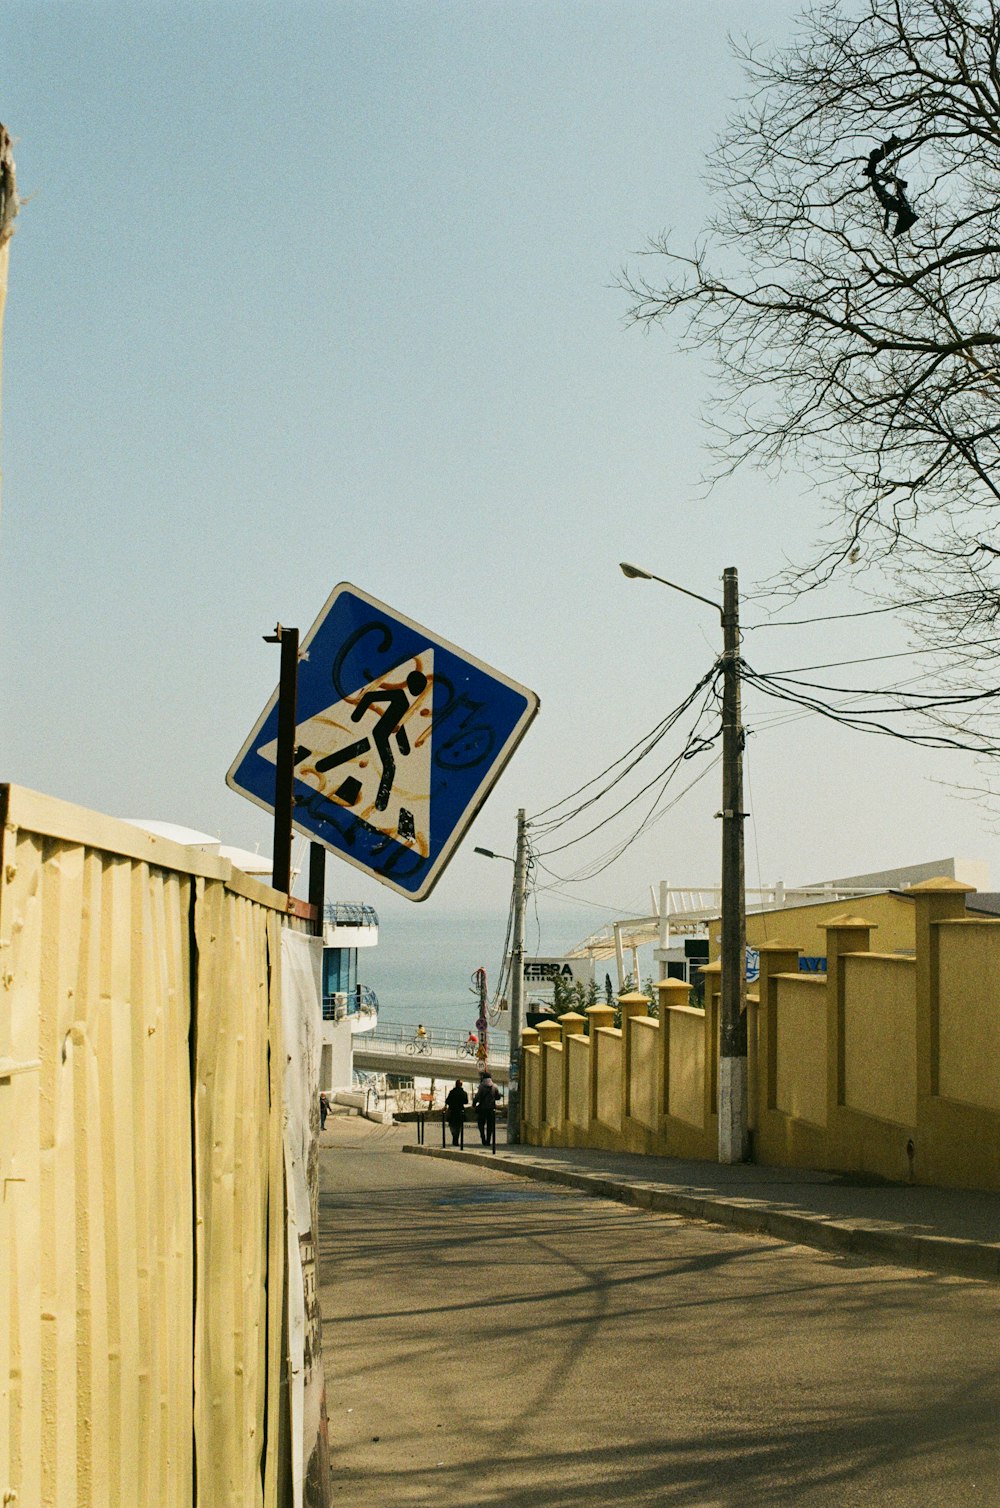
485,1104
454,1110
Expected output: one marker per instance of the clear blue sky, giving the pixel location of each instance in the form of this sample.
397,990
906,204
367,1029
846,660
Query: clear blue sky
306,293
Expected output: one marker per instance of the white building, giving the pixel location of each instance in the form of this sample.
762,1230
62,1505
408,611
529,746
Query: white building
349,1005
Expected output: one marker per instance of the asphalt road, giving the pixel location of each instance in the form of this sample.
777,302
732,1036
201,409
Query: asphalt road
491,1341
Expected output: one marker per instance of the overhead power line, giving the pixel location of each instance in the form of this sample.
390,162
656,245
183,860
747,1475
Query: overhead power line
866,612
695,743
868,719
900,654
620,768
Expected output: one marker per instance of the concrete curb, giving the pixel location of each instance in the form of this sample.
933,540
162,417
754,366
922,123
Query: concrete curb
884,1243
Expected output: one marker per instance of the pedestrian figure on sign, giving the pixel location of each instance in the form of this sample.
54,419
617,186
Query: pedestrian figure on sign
388,727
324,1109
485,1104
454,1109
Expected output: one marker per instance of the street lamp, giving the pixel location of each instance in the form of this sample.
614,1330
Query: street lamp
516,976
733,1138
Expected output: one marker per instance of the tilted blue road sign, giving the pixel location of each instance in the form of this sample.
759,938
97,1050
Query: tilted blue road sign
400,737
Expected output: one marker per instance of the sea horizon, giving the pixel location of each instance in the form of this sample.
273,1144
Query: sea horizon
423,965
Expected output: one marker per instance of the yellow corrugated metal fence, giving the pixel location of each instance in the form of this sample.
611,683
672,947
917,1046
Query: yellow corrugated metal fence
141,1179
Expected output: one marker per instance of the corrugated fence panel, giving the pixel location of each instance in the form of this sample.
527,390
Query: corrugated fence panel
238,989
141,1302
20,1164
96,964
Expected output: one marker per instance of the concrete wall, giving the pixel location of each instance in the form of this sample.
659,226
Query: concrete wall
686,1075
608,1108
643,1052
886,1064
968,1019
880,1037
142,1224
578,1081
337,1060
800,1049
552,1107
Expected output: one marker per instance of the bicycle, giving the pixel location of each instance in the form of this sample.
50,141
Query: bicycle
467,1050
418,1045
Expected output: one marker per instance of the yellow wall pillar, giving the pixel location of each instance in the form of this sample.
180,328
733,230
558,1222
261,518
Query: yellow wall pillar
938,900
598,1017
845,934
671,992
529,1038
548,1031
632,1003
572,1024
775,958
712,975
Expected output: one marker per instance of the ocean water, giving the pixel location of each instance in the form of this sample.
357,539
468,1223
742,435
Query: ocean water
422,968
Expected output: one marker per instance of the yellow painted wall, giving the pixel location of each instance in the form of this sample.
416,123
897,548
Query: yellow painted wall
578,1067
885,1064
969,1013
553,1112
135,1260
801,1048
880,1037
685,1088
644,1051
609,1084
531,1087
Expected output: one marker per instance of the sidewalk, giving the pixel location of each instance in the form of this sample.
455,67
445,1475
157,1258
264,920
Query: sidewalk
941,1230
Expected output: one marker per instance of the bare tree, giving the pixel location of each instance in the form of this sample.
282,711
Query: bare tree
848,290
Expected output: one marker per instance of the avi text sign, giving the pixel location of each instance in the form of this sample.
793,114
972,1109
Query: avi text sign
399,735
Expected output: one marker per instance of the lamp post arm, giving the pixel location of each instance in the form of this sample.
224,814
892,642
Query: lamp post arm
635,573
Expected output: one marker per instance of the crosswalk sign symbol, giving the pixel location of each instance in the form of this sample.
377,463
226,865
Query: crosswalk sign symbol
399,738
371,752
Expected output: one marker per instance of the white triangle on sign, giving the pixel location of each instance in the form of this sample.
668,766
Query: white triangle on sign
371,752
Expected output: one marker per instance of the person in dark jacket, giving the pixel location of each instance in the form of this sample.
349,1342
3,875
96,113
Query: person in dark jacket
485,1104
454,1109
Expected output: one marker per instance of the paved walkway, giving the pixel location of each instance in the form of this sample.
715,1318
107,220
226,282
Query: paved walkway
943,1230
493,1342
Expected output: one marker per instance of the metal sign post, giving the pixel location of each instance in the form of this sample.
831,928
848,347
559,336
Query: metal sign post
281,863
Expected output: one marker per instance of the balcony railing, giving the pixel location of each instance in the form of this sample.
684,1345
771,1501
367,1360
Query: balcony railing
362,1001
349,914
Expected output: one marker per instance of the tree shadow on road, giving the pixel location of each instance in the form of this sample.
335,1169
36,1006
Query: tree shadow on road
628,1357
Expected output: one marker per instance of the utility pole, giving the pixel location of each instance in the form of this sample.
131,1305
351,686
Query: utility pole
284,776
733,1140
734,1143
517,983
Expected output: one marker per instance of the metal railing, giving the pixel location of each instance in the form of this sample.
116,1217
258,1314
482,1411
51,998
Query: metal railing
350,914
442,1041
362,1000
